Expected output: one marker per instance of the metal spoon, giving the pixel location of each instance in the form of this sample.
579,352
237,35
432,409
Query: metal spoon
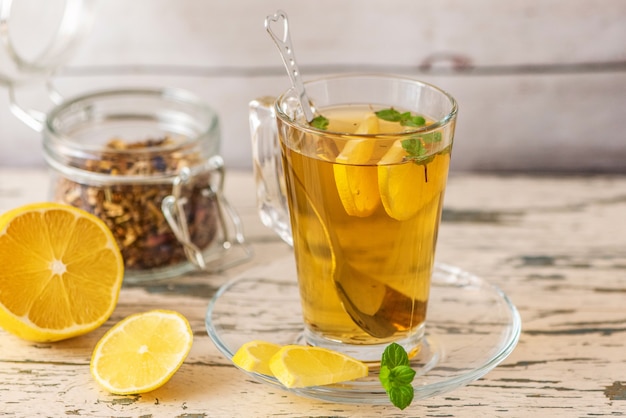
283,42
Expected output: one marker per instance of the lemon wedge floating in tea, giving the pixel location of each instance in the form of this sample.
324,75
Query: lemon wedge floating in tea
357,185
406,187
141,352
60,272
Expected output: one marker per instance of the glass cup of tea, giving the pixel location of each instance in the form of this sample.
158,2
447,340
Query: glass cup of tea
358,193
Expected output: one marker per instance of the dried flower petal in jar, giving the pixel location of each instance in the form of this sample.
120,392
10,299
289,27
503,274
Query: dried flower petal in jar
120,154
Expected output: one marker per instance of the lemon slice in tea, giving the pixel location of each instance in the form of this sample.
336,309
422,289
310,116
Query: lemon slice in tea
357,185
406,187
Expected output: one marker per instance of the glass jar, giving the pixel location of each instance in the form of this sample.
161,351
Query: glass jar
146,162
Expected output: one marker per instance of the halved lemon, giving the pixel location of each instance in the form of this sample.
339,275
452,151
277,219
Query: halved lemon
357,185
254,356
60,272
301,366
141,352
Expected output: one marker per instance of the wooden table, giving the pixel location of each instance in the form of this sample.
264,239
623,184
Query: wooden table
555,245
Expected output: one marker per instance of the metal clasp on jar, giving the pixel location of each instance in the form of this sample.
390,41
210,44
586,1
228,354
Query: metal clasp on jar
228,247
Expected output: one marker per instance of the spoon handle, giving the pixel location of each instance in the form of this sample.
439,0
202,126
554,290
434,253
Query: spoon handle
285,47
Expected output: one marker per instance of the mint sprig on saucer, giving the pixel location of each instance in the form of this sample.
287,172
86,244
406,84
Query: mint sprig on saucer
396,375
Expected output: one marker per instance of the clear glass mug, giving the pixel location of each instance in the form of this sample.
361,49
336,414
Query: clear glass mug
361,210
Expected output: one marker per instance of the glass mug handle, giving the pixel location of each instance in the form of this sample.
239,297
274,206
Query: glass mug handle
268,169
229,223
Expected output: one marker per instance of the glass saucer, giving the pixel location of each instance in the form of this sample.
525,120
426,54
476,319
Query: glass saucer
471,327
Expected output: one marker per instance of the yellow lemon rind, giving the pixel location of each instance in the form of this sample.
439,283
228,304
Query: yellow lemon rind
323,373
22,326
247,357
356,184
111,333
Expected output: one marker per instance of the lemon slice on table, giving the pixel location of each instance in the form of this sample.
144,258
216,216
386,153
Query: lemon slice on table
60,272
254,356
301,366
357,185
141,352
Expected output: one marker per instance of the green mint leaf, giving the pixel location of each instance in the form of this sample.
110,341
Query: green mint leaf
394,355
401,396
319,122
405,119
390,115
432,137
396,376
401,375
414,146
415,121
385,377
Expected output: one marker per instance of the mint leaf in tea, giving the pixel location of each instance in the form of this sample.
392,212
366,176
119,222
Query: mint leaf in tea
319,122
404,118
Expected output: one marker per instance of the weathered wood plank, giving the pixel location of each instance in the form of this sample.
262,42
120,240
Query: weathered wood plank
555,245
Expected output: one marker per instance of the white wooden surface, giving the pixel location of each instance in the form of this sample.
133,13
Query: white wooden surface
555,245
541,83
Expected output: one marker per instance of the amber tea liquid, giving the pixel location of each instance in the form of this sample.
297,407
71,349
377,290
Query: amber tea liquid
360,202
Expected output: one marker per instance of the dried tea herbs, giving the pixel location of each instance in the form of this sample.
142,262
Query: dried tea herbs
132,209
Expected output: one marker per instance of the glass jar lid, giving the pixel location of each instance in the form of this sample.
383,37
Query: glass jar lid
26,54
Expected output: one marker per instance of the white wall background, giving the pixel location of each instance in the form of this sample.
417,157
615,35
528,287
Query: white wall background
541,83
